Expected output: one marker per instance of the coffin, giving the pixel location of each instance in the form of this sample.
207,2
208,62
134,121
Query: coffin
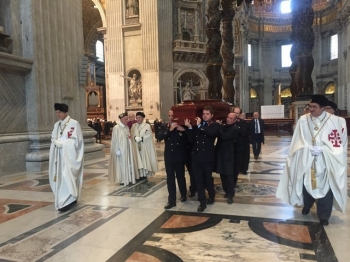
192,109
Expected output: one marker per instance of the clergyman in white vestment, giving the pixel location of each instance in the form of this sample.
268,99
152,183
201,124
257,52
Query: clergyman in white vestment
121,167
145,158
66,159
316,168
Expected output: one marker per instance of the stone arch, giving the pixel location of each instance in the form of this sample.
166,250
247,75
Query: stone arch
102,11
203,79
329,90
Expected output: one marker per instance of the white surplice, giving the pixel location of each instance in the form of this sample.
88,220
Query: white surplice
66,163
331,165
121,168
145,158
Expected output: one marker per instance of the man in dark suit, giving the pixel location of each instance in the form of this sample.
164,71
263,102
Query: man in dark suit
246,150
243,135
225,152
203,137
175,139
256,126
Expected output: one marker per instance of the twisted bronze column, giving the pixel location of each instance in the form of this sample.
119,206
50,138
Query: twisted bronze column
303,42
213,56
228,71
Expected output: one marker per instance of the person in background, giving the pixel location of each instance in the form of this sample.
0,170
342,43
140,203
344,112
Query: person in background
98,129
256,126
246,147
131,119
66,160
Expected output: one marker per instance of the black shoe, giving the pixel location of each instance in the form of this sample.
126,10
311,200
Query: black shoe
183,199
67,207
324,222
305,211
192,194
168,206
210,201
229,200
201,208
244,173
225,196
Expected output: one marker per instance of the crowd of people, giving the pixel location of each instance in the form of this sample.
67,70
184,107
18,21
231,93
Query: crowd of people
315,171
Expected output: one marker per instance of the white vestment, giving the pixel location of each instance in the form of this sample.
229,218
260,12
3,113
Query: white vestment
121,168
145,157
331,165
66,163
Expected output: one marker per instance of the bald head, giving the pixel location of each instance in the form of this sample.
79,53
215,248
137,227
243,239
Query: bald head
231,118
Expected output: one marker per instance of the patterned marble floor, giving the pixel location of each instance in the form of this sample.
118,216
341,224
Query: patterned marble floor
117,223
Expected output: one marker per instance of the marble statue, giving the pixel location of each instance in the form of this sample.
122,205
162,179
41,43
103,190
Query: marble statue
135,87
132,8
187,93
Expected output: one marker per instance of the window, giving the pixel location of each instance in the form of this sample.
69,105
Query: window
285,7
334,47
249,55
99,51
285,55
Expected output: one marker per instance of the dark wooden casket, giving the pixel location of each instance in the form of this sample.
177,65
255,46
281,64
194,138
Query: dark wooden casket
192,109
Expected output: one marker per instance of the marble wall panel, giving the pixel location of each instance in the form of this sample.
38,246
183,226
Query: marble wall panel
12,103
133,51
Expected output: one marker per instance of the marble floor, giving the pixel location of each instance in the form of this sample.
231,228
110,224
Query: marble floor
117,223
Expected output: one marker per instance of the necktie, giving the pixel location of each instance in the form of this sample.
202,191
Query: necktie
204,123
256,126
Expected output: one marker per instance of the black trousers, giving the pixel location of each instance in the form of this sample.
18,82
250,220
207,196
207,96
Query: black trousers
98,136
237,165
228,185
256,143
324,204
245,157
204,180
175,169
193,187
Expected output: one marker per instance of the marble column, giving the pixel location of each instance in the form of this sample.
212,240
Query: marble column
165,38
179,31
114,64
53,40
150,57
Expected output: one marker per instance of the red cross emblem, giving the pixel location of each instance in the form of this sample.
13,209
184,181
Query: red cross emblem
334,138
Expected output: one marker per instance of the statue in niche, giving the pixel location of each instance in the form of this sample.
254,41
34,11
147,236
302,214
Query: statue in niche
134,89
187,92
132,8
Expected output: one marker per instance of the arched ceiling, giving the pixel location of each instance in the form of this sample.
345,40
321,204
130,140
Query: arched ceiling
271,8
91,16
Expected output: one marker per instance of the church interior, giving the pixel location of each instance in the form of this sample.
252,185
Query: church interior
106,57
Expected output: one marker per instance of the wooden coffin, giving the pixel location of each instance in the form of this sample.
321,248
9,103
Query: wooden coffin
192,109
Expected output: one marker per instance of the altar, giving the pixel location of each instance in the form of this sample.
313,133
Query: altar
278,124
